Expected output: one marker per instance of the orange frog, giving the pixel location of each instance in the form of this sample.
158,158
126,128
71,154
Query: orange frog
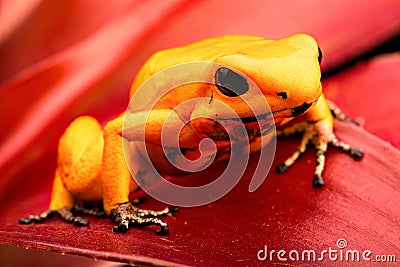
91,164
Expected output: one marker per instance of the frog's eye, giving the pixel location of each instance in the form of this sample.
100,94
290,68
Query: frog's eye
230,83
319,55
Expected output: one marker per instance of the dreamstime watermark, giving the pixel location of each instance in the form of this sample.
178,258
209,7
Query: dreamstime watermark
340,253
158,117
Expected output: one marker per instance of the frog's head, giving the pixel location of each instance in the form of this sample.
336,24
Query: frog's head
286,71
249,72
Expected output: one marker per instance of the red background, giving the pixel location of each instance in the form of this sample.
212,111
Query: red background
61,59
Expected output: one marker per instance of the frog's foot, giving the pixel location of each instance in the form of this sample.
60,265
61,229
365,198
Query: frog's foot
64,213
127,214
320,135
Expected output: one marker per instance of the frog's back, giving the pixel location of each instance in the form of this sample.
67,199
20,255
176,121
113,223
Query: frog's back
205,50
213,48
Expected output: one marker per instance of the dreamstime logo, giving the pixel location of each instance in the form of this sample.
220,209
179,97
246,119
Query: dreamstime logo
199,108
341,243
339,254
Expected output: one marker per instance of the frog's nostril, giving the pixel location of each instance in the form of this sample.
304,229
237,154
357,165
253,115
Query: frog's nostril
282,95
300,109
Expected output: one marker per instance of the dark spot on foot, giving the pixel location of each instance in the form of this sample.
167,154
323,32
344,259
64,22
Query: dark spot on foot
78,221
121,228
318,181
163,231
173,209
281,168
356,153
26,220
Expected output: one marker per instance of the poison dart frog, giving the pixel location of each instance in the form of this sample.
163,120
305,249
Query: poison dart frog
91,165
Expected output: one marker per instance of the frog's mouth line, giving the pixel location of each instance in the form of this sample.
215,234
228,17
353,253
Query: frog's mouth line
260,125
296,111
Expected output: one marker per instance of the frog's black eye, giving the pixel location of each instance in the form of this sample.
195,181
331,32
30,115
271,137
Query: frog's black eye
319,55
230,83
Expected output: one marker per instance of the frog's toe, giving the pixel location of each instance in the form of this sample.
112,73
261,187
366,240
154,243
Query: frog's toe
318,181
122,227
356,153
37,218
281,168
338,114
79,221
164,230
173,209
25,220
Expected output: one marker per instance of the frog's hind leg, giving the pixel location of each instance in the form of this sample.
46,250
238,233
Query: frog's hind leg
80,153
63,200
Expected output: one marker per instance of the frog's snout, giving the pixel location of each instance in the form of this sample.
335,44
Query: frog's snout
300,109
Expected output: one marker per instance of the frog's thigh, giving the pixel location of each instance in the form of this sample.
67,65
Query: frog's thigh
80,154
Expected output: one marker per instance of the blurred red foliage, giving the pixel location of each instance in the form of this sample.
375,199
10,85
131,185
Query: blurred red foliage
61,59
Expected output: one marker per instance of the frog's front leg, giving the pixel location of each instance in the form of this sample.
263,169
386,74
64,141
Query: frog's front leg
117,181
78,166
317,131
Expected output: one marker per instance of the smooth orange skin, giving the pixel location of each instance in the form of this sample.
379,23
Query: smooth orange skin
91,163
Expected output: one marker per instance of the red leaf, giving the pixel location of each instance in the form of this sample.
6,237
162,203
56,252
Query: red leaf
343,29
87,71
91,77
82,59
360,203
370,92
